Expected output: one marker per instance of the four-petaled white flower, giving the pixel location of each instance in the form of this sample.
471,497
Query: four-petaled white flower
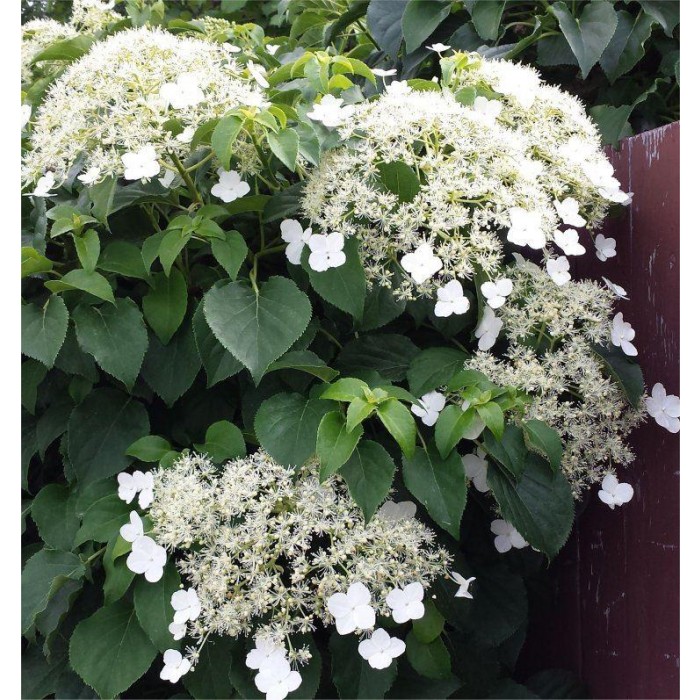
44,185
266,653
381,649
277,680
429,407
488,329
381,73
605,247
463,583
230,186
168,178
175,666
186,135
142,165
422,263
399,88
622,334
330,111
568,242
568,212
184,92
138,482
352,610
488,108
396,512
258,73
526,228
178,630
133,529
616,289
272,49
326,251
26,114
496,292
186,605
664,408
520,85
613,493
407,603
439,48
231,48
506,536
296,237
476,468
601,174
558,270
451,300
147,558
90,176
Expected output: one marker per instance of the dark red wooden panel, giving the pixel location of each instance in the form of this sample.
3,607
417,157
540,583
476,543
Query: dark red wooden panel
616,615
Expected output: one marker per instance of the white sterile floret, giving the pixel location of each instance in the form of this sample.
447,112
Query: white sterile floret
495,292
330,111
488,329
297,237
258,73
558,270
396,512
230,186
184,92
91,176
568,212
429,407
186,135
148,558
613,493
526,228
488,108
422,264
399,88
175,666
463,583
137,483
605,247
381,649
168,179
178,630
267,652
142,165
601,174
272,49
476,469
622,334
407,603
44,185
26,114
451,300
352,610
507,536
133,529
381,73
186,605
326,251
438,47
616,289
277,680
568,242
664,408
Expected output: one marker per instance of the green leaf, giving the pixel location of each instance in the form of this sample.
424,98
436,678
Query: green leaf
400,179
211,676
219,363
509,451
100,431
388,354
439,484
109,650
33,374
42,576
352,675
34,263
420,19
230,252
369,474
430,626
345,286
666,13
171,245
540,506
287,425
626,48
153,608
589,33
397,419
334,443
66,50
149,448
492,415
384,24
85,281
433,368
285,145
115,336
102,198
358,411
44,330
612,122
283,204
430,660
346,389
103,519
118,576
450,427
544,440
223,136
166,304
257,327
170,369
124,259
486,16
304,361
87,247
53,511
223,441
381,307
626,373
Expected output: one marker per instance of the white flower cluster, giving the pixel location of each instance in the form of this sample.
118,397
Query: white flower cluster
94,15
37,35
116,103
